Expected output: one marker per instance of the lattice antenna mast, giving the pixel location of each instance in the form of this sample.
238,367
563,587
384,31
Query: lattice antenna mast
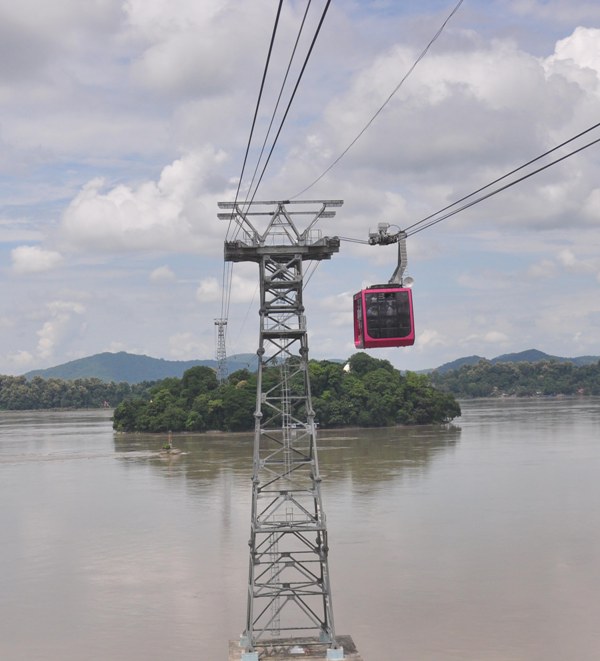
221,350
289,593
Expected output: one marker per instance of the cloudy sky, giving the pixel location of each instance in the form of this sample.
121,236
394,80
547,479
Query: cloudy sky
124,122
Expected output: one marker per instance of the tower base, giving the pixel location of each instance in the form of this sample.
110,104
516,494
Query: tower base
298,649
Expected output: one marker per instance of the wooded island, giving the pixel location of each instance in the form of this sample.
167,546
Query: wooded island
367,393
371,393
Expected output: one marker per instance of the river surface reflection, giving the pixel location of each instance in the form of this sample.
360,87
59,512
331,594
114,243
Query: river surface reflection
473,542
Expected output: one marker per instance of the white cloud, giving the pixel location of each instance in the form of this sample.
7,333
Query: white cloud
581,48
158,19
495,337
58,327
47,18
21,359
243,287
172,214
487,337
182,40
429,338
162,274
338,309
33,34
575,64
209,290
454,127
483,280
567,258
126,92
572,263
591,208
186,346
545,269
33,259
244,284
115,347
452,85
182,63
65,307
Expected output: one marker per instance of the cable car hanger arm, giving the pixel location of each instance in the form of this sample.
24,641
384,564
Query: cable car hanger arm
382,237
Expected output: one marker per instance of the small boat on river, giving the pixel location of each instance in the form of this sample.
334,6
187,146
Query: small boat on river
167,449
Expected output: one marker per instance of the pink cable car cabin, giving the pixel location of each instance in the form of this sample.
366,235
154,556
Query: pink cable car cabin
383,317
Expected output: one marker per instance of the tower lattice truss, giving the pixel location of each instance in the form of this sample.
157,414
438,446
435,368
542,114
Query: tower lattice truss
289,592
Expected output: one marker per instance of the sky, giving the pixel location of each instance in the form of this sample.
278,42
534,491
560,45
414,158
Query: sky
124,122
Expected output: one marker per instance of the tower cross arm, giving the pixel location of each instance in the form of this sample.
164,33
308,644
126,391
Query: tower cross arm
279,229
322,213
238,216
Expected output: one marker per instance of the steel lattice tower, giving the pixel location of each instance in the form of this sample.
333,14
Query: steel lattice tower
221,350
289,592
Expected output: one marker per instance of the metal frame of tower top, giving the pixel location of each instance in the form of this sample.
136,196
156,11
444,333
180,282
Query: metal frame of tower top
289,592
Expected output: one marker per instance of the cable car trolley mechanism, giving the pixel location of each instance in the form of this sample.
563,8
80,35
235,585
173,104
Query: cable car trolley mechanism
383,314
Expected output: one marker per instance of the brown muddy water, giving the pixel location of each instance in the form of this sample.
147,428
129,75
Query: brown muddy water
478,541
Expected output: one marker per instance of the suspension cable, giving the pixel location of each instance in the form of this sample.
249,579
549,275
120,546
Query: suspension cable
504,176
291,98
262,86
353,240
228,270
417,229
280,94
423,224
368,124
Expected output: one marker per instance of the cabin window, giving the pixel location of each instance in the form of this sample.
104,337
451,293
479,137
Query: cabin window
388,314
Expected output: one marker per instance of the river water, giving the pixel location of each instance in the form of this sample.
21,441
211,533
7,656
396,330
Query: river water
473,542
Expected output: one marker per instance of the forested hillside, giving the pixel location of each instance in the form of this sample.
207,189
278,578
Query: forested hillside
527,356
134,368
521,379
371,394
18,393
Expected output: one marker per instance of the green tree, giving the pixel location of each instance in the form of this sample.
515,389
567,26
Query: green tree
371,393
197,381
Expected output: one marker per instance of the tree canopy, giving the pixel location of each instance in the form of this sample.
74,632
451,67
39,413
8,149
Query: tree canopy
372,393
521,379
17,393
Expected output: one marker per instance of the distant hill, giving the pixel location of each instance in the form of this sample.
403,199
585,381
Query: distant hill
528,356
131,368
458,363
534,377
534,356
